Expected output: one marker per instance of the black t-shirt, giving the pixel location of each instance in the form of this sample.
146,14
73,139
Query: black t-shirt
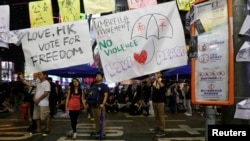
147,92
158,95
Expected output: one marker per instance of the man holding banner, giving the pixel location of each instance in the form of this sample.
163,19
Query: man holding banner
158,97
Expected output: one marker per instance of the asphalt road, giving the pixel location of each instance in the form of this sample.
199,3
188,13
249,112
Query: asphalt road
120,127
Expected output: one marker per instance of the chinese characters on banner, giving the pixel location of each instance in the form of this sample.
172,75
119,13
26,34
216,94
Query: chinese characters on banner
69,10
40,13
212,64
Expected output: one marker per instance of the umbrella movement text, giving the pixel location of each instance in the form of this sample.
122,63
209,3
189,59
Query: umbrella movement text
111,25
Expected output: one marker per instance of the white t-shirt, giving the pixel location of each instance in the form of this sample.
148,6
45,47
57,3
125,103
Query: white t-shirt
41,88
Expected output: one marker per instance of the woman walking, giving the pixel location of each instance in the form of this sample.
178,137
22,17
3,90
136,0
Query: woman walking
74,100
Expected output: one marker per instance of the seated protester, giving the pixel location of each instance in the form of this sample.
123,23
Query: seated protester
6,107
124,107
121,96
144,108
111,104
135,108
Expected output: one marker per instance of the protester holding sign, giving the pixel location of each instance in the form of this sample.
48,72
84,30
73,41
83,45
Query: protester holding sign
158,99
30,94
41,104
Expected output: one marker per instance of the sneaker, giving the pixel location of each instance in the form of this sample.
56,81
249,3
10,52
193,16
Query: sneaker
188,114
69,134
153,131
74,136
89,116
35,132
160,133
46,133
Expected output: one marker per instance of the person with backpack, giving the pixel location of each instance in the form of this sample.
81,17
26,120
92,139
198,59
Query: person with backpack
96,100
17,91
52,97
75,98
32,85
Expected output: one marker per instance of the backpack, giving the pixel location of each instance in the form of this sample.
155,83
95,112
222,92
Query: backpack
94,96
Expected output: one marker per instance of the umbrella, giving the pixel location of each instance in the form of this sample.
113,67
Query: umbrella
150,25
101,125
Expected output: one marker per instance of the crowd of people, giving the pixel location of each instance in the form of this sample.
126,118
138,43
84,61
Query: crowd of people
45,98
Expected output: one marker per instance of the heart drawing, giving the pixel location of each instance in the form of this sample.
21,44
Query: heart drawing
141,57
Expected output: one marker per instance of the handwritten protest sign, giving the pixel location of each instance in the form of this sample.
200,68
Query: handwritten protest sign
69,10
98,6
40,13
13,36
141,41
4,22
134,4
243,53
57,46
245,28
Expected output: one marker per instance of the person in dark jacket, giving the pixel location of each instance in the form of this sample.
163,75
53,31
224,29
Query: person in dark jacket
52,97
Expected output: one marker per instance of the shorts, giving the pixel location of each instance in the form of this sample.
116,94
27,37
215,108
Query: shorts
41,112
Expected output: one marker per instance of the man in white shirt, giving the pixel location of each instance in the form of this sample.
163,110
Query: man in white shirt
41,104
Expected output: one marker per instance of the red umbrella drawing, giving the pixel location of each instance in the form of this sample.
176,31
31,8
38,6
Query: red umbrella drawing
151,25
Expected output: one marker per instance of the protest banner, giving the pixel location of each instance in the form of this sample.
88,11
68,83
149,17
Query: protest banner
69,10
98,6
57,46
4,24
40,13
134,4
140,42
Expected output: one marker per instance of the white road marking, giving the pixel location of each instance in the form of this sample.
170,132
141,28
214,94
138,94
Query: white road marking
18,119
175,120
19,136
192,131
6,125
12,128
182,139
66,139
119,121
179,129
